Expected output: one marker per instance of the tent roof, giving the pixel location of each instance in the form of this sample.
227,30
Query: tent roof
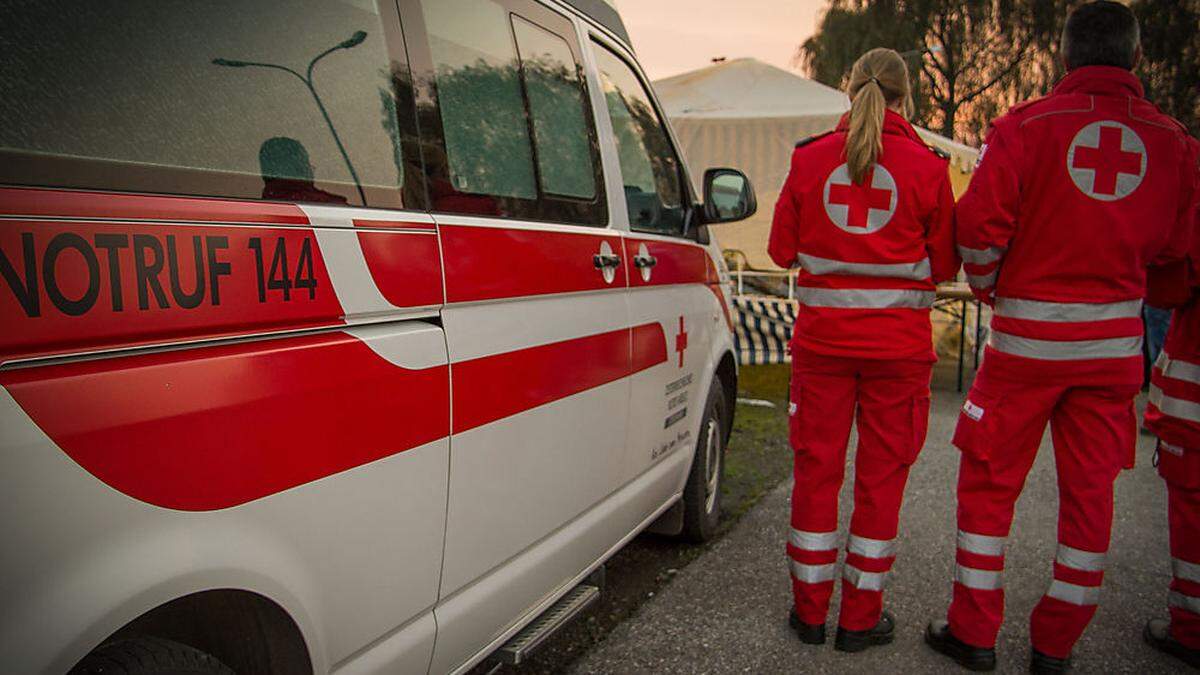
747,88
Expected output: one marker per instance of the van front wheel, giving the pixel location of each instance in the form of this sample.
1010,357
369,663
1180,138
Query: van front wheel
702,495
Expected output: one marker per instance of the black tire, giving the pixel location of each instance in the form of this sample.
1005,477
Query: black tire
149,656
702,495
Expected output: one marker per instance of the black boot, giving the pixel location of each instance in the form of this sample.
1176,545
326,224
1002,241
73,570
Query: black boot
858,640
810,633
1157,634
938,636
1041,663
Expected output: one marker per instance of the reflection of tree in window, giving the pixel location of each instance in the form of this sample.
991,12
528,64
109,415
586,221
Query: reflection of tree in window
557,109
649,169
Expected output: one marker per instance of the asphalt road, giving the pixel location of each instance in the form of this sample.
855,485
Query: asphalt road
726,612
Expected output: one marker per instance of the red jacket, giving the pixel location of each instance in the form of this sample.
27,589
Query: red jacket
869,255
1173,413
1075,195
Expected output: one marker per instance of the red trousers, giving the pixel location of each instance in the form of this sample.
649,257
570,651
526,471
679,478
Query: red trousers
1180,468
890,400
999,430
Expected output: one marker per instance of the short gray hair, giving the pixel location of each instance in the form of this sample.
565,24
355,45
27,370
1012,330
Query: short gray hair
1101,33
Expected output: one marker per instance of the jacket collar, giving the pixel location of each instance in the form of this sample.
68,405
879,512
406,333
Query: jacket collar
893,123
1101,81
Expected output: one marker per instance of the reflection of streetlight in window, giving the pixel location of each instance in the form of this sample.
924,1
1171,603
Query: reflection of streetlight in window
351,42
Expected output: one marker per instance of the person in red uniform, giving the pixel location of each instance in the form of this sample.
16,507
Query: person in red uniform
867,215
1075,196
1173,415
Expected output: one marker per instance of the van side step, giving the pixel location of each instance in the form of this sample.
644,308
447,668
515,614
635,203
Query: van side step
516,650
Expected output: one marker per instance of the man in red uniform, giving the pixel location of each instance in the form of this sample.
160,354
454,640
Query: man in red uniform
1076,195
870,249
1173,414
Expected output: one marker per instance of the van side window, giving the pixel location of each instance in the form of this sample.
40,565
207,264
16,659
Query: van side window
483,115
649,167
517,130
557,107
290,100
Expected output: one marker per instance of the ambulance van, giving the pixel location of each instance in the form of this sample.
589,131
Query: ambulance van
341,335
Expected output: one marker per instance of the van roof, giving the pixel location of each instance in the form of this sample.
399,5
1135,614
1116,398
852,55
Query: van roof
604,13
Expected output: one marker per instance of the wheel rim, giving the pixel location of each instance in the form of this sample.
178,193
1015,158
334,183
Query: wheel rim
712,464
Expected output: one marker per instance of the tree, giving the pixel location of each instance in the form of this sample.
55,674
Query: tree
965,55
972,60
1171,67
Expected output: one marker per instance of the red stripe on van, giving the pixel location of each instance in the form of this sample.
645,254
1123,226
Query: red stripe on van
202,430
487,263
79,204
407,268
677,263
494,387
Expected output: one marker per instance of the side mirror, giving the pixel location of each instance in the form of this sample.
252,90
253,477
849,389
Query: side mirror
728,196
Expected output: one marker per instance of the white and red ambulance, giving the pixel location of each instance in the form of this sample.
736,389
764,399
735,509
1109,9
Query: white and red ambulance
341,335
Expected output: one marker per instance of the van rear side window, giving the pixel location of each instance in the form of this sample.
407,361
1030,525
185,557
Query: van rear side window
515,120
286,100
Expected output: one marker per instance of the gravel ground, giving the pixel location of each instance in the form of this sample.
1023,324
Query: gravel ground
726,612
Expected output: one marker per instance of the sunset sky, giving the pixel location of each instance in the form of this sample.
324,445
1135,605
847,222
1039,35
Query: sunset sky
674,36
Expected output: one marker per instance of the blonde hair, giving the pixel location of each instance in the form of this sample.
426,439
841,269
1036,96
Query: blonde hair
879,78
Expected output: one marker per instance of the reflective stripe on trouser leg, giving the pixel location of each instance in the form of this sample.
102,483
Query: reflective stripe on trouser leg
1093,429
813,562
1070,601
1183,518
978,587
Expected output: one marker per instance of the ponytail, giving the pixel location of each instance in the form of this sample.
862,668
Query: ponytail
878,78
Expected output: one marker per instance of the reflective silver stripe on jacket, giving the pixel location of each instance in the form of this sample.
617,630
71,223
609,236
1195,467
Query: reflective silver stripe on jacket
1063,350
1074,593
1188,571
813,574
981,256
1178,370
872,548
1084,561
814,541
982,580
1174,407
865,298
1185,602
981,544
915,270
1067,312
865,581
982,280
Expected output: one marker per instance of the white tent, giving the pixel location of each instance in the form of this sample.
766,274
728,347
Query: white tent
748,115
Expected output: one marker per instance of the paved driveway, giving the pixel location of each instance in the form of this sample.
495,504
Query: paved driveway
726,612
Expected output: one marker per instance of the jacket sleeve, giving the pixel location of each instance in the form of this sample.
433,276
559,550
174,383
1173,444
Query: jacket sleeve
1174,274
986,216
784,242
939,236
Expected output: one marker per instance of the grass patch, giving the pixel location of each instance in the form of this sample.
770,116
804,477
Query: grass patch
759,456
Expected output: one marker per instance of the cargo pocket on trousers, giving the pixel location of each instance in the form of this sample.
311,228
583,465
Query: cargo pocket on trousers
975,432
1179,467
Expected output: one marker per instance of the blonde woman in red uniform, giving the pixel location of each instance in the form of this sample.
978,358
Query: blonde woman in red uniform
866,214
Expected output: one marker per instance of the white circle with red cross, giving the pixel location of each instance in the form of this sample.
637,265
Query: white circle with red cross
1107,160
860,209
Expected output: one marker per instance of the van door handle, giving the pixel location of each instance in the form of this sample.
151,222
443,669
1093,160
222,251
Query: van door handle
603,260
644,262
